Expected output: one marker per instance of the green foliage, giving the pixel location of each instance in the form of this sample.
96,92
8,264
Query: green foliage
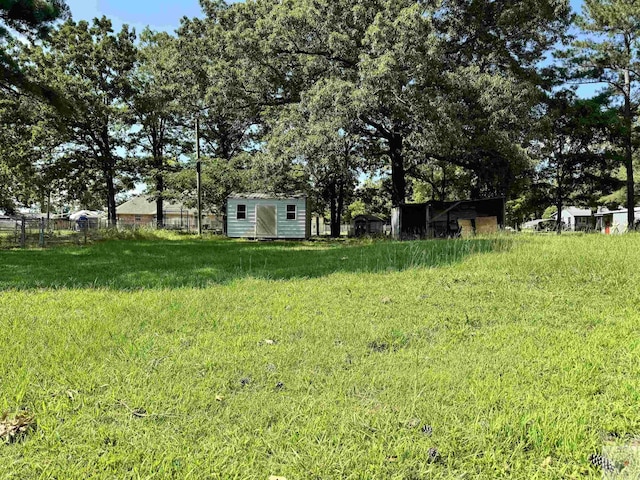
156,109
418,86
576,165
220,178
30,163
549,211
33,20
609,53
91,67
30,17
356,208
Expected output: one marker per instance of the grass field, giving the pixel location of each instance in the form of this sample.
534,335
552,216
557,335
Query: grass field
179,358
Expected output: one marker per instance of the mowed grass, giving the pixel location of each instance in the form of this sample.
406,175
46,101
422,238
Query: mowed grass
219,359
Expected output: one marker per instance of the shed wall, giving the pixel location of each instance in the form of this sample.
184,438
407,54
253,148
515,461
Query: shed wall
286,229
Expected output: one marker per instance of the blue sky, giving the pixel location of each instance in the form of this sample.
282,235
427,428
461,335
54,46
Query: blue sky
158,14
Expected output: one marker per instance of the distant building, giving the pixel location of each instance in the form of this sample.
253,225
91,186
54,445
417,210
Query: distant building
268,216
140,211
448,219
364,225
612,222
540,224
576,219
83,219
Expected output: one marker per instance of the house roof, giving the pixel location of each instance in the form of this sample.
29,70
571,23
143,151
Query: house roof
605,211
86,213
267,196
575,212
145,205
578,212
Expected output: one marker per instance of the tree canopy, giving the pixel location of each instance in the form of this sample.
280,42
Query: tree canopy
428,100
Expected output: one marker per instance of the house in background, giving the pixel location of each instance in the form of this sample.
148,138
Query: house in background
447,219
612,222
576,219
140,211
268,216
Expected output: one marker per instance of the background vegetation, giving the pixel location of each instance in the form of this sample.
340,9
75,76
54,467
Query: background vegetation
429,100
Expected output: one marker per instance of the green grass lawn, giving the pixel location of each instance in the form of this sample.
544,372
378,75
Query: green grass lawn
179,358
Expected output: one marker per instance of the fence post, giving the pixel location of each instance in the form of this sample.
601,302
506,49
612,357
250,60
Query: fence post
41,233
23,233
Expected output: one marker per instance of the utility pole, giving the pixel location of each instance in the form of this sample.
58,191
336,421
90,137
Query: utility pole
199,172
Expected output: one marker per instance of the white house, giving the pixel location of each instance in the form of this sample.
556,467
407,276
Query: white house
268,215
614,221
576,219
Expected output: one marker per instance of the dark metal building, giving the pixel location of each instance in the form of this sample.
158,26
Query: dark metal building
448,219
364,225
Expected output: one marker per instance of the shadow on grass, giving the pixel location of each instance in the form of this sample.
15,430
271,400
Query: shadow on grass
130,265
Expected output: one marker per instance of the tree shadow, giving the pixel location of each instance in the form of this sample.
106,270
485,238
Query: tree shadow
157,264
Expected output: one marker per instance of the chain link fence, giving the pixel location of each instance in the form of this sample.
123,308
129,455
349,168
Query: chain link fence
26,232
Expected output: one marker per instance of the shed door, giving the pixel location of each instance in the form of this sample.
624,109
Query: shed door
266,221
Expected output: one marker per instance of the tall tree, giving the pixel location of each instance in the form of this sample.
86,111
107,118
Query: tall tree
573,146
91,67
610,53
220,88
321,134
156,109
406,59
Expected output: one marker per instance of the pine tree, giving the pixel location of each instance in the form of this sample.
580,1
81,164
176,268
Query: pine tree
32,19
610,54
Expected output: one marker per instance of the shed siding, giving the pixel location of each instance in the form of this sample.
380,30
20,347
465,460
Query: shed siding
285,228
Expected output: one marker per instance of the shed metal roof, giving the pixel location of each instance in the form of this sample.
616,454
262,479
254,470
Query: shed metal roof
369,218
575,212
267,196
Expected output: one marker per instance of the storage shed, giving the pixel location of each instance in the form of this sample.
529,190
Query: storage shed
364,225
448,219
268,216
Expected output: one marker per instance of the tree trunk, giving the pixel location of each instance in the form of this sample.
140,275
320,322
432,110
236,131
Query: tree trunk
111,198
159,203
398,181
334,220
159,192
559,217
628,152
340,206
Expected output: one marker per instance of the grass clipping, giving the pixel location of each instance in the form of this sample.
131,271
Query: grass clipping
15,429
